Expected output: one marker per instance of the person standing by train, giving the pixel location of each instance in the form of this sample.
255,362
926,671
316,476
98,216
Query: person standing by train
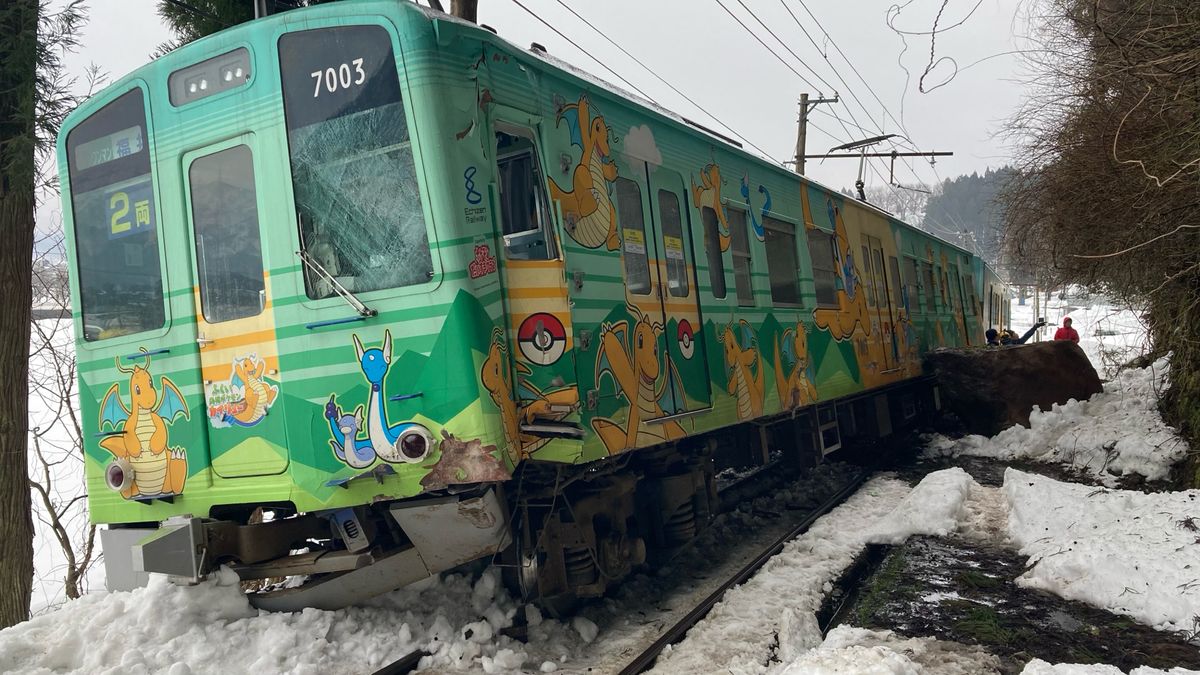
1066,332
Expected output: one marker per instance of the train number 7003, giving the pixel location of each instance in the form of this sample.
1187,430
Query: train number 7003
340,77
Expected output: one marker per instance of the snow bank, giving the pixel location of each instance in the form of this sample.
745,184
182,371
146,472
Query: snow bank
1128,552
1115,433
858,650
935,506
776,607
1040,667
211,628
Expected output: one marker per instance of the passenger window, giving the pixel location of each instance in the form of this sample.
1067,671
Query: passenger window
115,219
822,248
712,247
782,263
741,257
912,289
633,236
930,287
354,178
870,280
894,275
528,233
229,264
672,234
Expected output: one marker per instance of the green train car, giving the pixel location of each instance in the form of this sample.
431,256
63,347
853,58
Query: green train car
363,292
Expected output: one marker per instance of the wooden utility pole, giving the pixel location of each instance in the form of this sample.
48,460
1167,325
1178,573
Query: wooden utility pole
802,130
465,9
18,175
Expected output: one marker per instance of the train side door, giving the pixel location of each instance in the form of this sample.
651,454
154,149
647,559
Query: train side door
678,293
235,327
535,289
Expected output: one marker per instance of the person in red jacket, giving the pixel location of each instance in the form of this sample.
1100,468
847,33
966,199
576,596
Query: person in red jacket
1066,332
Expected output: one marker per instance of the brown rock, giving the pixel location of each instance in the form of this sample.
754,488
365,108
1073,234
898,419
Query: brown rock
991,389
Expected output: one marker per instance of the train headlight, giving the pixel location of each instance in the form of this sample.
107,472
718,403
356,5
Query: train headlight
415,443
118,475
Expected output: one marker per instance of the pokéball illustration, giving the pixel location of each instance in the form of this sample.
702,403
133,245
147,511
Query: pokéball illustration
542,338
687,339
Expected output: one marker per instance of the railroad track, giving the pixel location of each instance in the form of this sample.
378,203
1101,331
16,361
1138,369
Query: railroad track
676,632
673,634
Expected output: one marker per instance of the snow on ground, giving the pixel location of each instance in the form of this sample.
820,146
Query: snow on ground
739,633
935,506
1125,551
1040,667
868,652
211,628
1117,432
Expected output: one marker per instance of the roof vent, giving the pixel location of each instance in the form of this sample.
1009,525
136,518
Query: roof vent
489,29
535,47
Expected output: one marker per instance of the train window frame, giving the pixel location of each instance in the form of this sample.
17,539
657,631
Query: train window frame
435,270
929,286
713,253
201,267
822,246
739,248
76,277
629,245
912,284
774,227
678,284
549,244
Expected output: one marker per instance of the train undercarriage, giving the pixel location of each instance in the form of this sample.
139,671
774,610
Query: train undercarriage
559,533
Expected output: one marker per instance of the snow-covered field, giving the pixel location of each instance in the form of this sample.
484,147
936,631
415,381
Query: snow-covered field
1131,553
1110,335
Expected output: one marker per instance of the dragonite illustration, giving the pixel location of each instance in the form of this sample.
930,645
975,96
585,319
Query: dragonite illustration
747,376
257,395
587,209
631,358
158,469
708,193
547,406
851,294
794,387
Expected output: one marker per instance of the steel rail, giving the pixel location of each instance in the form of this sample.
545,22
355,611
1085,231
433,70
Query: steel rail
681,627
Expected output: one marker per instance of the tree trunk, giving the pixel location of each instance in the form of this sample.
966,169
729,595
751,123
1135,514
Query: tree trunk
18,48
465,9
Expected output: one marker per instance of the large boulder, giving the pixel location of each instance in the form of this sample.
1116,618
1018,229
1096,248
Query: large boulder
991,389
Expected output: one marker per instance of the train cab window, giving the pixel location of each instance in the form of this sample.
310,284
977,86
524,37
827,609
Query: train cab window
633,236
528,232
354,177
822,248
116,221
740,246
229,265
912,288
712,247
782,264
672,234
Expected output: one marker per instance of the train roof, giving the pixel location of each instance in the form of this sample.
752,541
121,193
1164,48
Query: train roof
187,54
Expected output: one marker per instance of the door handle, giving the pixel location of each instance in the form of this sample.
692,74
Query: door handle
204,342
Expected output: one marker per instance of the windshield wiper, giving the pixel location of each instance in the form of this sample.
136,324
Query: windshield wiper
338,288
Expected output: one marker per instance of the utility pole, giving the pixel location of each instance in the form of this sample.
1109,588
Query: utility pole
862,156
802,132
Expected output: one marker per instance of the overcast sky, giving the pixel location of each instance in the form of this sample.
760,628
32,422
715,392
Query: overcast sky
701,50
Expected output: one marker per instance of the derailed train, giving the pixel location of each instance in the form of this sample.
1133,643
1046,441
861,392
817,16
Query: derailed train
363,292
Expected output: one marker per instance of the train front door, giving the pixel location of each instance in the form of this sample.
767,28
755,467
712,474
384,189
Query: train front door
235,327
661,284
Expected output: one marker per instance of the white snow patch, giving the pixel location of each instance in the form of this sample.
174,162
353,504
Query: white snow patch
858,650
1040,667
935,506
738,634
1129,552
1117,432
